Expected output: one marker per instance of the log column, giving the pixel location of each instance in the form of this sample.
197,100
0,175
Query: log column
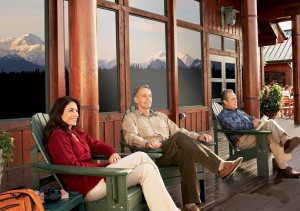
251,80
83,62
55,57
296,66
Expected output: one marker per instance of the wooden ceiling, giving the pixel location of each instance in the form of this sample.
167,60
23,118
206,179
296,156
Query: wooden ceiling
277,10
271,12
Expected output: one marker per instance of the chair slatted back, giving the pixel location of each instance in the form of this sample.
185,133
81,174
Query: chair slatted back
37,127
217,108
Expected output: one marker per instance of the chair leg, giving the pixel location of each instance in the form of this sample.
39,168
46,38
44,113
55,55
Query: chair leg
202,190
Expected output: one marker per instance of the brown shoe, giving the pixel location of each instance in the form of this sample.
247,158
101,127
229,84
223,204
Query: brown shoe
288,172
291,144
193,208
230,167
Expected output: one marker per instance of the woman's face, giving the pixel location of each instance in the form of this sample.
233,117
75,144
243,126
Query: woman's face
70,115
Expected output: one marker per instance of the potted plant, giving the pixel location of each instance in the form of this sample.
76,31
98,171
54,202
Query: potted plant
6,150
270,98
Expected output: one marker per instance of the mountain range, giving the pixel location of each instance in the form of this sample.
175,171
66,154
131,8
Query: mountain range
28,52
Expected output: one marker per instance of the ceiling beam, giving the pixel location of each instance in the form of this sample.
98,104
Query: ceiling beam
278,14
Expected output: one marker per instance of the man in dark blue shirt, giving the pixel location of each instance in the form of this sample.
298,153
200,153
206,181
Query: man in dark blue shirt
280,143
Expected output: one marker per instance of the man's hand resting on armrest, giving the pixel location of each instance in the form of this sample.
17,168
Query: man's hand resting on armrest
256,123
204,137
153,144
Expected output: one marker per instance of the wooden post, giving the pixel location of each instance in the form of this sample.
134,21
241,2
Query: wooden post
251,62
55,57
83,62
172,57
296,65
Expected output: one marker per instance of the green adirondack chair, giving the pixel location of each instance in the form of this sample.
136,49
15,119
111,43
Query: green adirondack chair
119,197
170,174
261,151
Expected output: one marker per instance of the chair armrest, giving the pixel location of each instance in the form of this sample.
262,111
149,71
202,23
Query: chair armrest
80,170
254,132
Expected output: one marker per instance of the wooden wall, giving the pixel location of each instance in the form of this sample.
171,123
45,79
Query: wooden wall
280,68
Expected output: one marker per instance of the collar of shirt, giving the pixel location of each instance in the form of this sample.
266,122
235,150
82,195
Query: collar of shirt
139,113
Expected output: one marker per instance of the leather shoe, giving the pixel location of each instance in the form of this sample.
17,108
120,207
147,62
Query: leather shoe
230,167
288,172
291,144
193,208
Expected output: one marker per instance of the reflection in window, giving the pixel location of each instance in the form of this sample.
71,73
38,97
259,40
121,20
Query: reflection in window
190,74
22,58
229,44
155,6
230,70
216,69
215,41
66,19
108,71
188,10
231,86
216,89
148,58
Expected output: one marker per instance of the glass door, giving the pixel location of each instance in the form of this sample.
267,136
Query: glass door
222,75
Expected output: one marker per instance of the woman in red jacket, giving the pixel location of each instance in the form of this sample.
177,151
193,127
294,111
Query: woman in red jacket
69,146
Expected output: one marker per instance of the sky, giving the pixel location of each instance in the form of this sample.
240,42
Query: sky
19,17
285,25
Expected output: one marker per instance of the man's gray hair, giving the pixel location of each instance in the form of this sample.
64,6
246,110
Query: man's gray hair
140,87
224,94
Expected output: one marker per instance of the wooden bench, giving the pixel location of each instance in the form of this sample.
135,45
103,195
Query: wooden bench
119,197
170,174
261,151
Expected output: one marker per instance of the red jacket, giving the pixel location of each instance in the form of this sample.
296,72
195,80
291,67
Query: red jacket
66,150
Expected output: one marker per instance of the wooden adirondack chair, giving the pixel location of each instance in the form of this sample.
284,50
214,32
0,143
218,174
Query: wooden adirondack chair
261,151
119,197
170,174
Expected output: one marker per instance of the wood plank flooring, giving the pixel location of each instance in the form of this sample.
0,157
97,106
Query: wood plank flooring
239,190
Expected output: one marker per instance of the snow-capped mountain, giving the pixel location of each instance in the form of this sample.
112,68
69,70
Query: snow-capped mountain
157,64
32,49
29,46
185,58
15,63
156,61
107,63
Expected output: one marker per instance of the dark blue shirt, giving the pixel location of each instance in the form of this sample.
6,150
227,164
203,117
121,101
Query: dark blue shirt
235,120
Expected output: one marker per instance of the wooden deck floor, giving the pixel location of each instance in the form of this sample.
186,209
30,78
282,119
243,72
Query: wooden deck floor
231,194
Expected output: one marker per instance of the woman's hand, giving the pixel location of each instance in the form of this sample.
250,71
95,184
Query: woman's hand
114,158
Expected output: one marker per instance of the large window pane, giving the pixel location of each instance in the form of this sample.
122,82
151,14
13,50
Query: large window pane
155,6
148,58
190,74
107,62
188,10
22,58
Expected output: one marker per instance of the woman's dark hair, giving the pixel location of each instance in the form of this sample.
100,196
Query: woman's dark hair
55,120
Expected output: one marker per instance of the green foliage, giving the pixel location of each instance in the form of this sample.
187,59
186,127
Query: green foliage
6,145
270,98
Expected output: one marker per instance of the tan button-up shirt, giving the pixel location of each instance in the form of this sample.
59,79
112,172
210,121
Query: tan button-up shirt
139,128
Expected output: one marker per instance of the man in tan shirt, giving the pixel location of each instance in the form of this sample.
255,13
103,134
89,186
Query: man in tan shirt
146,128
